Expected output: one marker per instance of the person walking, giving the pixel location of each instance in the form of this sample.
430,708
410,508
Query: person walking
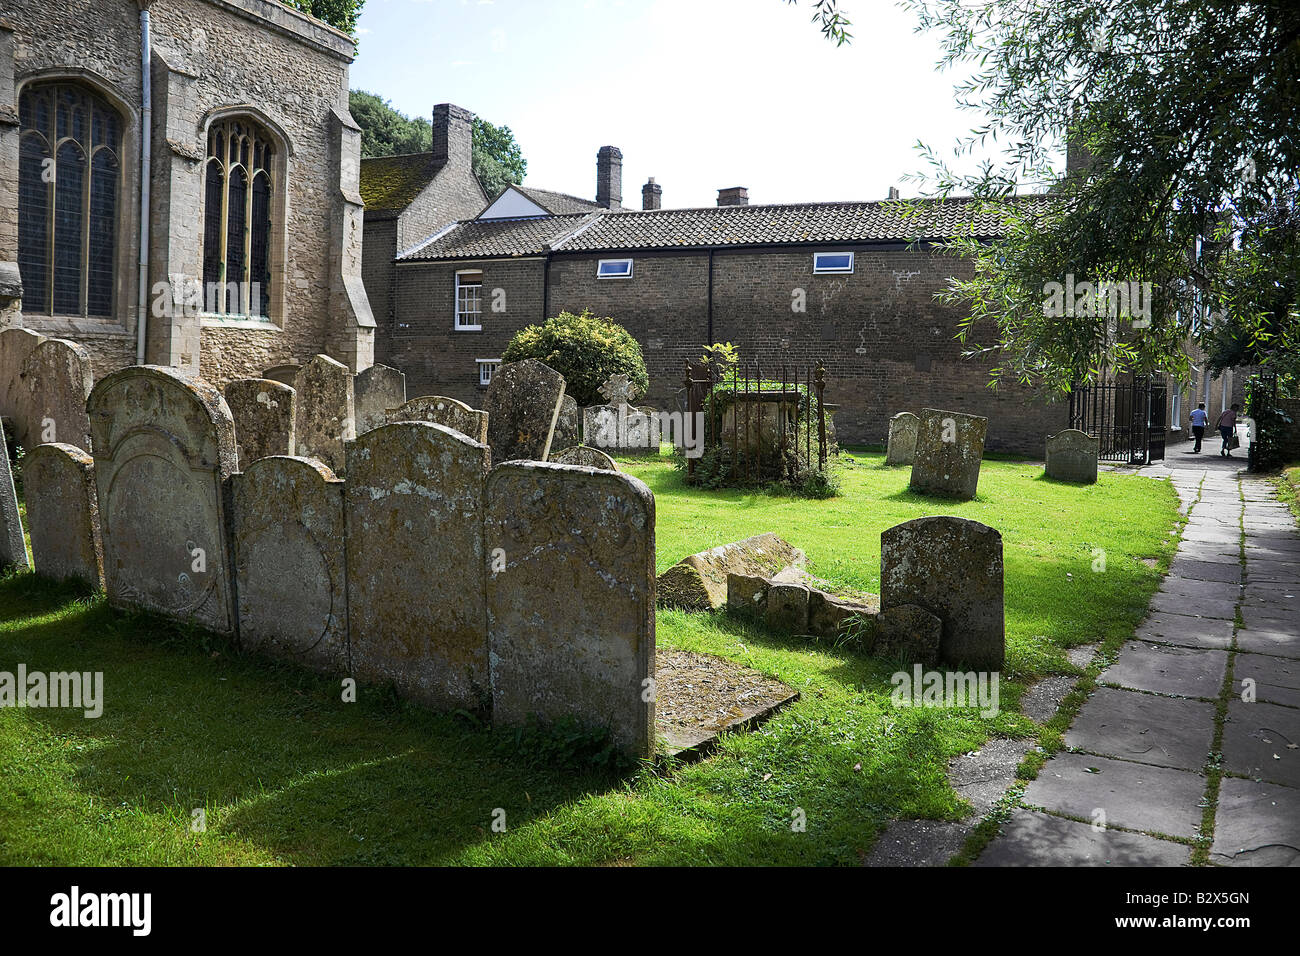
1227,425
1199,421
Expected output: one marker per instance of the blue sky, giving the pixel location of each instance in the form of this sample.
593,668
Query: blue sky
700,94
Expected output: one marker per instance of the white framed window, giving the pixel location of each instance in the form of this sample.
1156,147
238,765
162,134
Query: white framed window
1176,414
832,262
486,369
469,300
614,269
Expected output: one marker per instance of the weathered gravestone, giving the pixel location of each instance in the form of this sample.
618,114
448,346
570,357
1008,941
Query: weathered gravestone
263,410
570,596
567,431
416,616
621,429
523,403
12,549
284,374
949,448
54,382
164,444
586,456
63,513
698,582
15,347
288,536
375,391
903,429
440,410
324,411
951,567
1072,456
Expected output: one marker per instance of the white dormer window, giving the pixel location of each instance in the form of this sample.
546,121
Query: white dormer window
614,269
832,262
486,368
469,300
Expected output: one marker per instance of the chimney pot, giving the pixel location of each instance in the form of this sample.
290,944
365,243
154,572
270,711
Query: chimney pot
609,177
652,194
453,137
894,193
733,196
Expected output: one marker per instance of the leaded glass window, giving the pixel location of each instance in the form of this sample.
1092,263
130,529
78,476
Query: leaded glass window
238,186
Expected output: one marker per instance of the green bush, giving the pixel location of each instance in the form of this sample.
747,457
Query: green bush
585,349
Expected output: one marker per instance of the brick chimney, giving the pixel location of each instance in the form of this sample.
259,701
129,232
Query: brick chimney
609,177
652,194
733,196
453,136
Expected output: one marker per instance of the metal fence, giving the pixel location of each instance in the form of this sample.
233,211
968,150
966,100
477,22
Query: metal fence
1127,418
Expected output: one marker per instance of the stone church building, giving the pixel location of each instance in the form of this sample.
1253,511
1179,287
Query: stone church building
179,184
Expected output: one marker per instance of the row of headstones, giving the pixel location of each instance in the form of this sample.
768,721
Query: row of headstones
945,449
527,588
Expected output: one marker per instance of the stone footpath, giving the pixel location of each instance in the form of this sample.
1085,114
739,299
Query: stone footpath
1134,781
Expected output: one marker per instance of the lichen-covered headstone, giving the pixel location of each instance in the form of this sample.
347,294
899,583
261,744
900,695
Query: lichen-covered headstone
949,449
523,404
324,411
284,374
164,444
571,594
567,431
54,383
441,410
903,429
698,582
787,608
415,563
621,429
910,634
290,580
13,552
586,456
263,410
1072,456
951,567
63,513
375,391
16,344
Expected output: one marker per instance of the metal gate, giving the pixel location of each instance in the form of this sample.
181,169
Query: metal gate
1127,418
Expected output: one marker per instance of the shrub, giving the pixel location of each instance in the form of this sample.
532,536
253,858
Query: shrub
585,349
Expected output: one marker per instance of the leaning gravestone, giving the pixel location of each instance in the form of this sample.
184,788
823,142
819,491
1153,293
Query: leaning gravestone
284,374
951,567
567,432
324,411
263,410
698,582
523,403
1072,456
15,347
55,381
586,456
13,552
375,391
571,597
63,514
949,448
441,410
288,537
415,563
164,443
901,449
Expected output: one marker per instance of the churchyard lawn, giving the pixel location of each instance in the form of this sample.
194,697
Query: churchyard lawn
287,773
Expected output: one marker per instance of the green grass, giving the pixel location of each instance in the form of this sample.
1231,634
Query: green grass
289,774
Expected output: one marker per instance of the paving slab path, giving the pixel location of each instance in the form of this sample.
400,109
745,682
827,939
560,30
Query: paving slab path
1211,679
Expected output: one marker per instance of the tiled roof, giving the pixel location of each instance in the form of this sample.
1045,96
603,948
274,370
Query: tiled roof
391,183
834,222
558,204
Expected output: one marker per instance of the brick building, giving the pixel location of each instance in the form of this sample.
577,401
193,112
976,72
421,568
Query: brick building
253,220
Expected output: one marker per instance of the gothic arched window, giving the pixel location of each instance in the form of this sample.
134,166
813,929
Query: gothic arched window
69,187
237,219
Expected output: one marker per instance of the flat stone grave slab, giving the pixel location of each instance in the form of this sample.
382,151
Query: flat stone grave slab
1258,740
699,697
1181,671
1033,838
1256,824
1265,641
1185,631
1194,606
1080,785
1229,571
1276,679
1165,731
